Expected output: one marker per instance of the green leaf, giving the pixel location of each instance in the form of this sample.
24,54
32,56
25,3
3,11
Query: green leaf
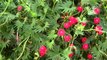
90,12
52,35
93,2
46,25
104,24
1,57
19,24
85,1
66,6
50,44
66,52
77,32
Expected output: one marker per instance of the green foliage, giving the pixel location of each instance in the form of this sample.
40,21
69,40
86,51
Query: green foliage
23,32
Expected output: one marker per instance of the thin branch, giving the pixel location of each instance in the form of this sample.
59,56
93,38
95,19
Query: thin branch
24,46
103,53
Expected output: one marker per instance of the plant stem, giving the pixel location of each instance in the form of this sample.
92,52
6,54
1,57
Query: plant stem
5,8
24,46
103,53
73,38
4,22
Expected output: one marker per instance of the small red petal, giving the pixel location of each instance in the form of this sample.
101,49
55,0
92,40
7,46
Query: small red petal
19,8
96,11
83,23
79,9
83,39
67,38
61,32
96,20
85,46
89,56
71,55
67,25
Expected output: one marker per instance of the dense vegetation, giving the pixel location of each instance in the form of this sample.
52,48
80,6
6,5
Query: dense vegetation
53,29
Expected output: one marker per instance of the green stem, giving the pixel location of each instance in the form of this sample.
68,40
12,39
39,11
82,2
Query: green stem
4,22
4,45
103,53
5,8
21,42
74,37
24,46
93,30
89,30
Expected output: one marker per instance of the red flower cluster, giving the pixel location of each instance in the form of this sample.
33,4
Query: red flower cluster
61,32
98,29
73,20
42,51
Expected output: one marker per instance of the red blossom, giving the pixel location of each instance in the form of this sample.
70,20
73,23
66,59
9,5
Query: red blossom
83,39
96,11
42,51
73,20
98,29
96,20
71,55
83,23
67,38
89,56
61,32
85,46
19,8
67,25
79,8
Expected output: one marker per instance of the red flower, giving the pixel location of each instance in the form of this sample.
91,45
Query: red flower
83,23
71,45
42,51
98,29
96,20
67,38
83,39
100,32
79,9
89,56
71,55
61,32
19,8
96,11
85,46
70,22
67,25
73,20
